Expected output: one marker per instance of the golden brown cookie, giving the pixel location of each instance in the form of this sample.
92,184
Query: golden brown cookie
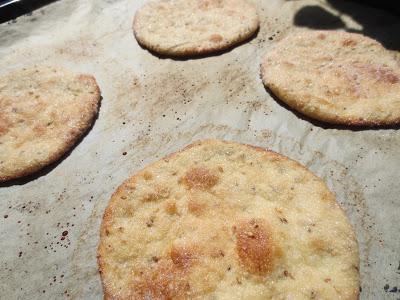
336,77
194,27
222,220
43,112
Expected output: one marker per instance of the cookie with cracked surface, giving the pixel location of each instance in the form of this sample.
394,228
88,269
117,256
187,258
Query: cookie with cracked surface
335,77
43,112
194,27
222,220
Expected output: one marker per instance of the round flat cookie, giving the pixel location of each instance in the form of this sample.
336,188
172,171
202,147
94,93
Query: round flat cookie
194,27
336,77
221,220
43,112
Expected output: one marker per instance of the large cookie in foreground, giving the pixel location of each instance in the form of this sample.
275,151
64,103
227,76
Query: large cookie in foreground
335,77
43,112
221,220
194,27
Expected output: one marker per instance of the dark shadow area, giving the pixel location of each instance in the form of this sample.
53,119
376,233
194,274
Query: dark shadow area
325,125
14,10
389,5
317,17
380,22
47,169
205,55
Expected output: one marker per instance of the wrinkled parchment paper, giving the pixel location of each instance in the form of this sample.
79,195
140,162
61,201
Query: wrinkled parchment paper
151,106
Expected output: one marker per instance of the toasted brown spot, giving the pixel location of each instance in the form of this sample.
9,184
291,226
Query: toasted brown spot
86,79
255,246
182,256
160,192
207,4
161,7
318,245
379,73
124,209
196,207
147,175
131,185
231,12
200,178
165,282
349,42
386,75
39,130
216,253
4,125
288,64
322,246
334,92
203,4
170,207
216,38
321,36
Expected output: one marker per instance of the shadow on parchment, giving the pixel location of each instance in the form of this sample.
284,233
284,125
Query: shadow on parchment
47,169
381,23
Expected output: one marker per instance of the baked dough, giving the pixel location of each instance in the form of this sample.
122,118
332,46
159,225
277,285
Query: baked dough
335,77
222,220
194,27
43,112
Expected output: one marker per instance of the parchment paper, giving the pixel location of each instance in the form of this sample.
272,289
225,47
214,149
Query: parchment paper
151,106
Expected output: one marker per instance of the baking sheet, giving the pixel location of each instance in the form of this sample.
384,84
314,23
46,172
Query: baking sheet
151,106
